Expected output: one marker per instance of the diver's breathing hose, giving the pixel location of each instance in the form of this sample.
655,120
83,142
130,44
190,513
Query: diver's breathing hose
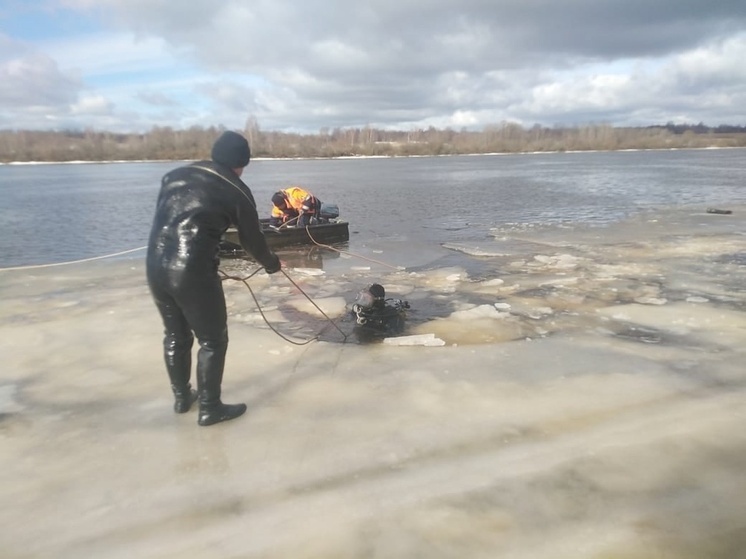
314,304
245,279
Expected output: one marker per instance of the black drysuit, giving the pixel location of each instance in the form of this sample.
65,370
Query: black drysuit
196,204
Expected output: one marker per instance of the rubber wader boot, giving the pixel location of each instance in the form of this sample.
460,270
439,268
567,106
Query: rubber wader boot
178,356
215,413
209,378
184,397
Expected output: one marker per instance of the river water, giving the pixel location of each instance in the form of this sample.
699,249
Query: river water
58,213
576,388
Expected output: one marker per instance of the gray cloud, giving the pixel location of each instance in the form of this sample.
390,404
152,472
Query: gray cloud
335,35
36,81
307,64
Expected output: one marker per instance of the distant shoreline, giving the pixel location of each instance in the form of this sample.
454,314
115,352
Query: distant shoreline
117,161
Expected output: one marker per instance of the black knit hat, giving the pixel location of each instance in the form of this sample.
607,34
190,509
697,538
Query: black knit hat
232,150
377,291
279,200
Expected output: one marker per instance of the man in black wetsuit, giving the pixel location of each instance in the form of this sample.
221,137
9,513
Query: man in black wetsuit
196,204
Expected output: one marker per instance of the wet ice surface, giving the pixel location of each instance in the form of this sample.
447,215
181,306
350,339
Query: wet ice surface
588,403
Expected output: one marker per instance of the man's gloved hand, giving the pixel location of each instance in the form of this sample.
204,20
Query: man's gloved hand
274,267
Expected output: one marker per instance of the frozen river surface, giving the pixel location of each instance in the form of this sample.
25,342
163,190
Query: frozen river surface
588,402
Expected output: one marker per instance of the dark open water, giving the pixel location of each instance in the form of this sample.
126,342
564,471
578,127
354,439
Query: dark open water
54,212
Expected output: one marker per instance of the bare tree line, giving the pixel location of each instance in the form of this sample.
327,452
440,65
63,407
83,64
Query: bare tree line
164,143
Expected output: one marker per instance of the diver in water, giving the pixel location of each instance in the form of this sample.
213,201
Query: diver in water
377,317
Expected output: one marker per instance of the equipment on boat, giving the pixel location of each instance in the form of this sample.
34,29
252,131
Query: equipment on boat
325,231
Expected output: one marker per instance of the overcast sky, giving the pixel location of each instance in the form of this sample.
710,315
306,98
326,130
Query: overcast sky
302,65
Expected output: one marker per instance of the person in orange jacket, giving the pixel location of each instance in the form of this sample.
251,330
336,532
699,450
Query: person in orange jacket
294,206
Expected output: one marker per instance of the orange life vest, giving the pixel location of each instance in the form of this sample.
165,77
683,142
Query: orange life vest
294,195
